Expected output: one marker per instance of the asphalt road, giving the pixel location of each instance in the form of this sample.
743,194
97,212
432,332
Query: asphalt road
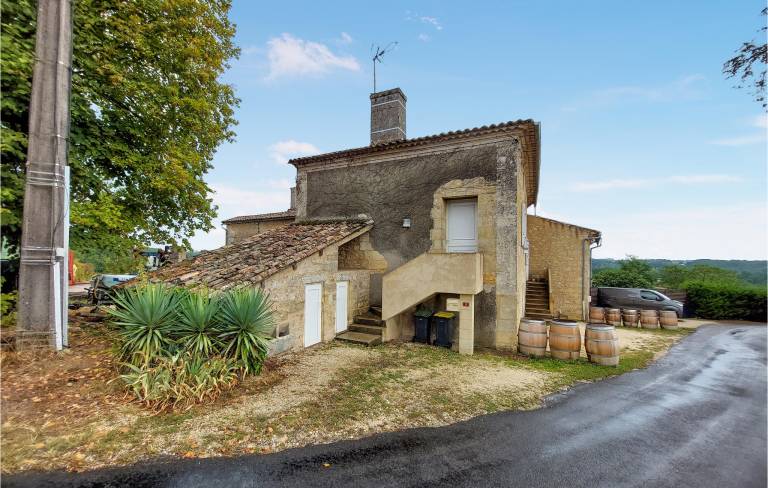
695,418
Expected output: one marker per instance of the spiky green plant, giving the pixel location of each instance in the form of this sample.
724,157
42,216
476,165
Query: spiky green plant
246,325
145,316
198,328
180,380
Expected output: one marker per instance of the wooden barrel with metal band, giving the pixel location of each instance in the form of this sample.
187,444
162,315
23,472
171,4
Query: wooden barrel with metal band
629,317
602,344
613,317
649,319
564,339
532,337
668,319
596,315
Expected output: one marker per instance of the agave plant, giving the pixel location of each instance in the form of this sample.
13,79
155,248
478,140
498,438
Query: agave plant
198,328
145,316
246,323
180,380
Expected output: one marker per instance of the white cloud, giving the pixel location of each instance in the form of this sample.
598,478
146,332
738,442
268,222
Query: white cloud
759,121
345,38
717,232
586,186
424,19
282,151
431,21
291,56
694,179
685,88
267,196
608,185
740,140
424,37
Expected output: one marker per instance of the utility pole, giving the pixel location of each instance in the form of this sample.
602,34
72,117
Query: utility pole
42,291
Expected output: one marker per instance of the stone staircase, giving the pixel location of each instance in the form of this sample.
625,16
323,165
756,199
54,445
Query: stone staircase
537,300
367,329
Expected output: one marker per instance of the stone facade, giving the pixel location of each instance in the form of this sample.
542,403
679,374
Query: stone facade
286,290
562,252
414,185
237,231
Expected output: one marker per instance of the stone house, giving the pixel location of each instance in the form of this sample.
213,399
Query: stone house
374,232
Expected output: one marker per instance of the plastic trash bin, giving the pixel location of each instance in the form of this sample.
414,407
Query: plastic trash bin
422,329
444,328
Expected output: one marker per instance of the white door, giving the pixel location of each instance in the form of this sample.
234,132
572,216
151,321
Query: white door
461,227
341,305
313,308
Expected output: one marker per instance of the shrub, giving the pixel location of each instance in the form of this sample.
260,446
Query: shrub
146,316
180,380
180,347
631,273
198,328
246,326
721,301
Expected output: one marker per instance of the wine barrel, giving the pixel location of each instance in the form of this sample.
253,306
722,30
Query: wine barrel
602,344
596,315
649,319
613,317
629,317
564,339
668,319
532,337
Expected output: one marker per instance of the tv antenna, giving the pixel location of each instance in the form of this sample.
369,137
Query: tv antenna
378,53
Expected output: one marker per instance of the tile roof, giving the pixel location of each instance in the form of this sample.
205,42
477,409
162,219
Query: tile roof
289,214
567,224
258,257
529,128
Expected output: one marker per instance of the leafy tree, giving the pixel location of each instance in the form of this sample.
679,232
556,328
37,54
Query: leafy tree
751,57
676,276
147,113
631,273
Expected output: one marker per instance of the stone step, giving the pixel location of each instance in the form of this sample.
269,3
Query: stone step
368,319
537,309
375,310
537,303
360,338
539,316
367,329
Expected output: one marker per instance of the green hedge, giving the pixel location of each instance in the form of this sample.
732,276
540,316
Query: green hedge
721,301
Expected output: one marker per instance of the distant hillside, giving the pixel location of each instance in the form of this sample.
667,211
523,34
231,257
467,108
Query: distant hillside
750,271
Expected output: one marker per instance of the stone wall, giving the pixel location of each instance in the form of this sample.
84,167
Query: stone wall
485,192
561,249
389,191
391,187
237,231
360,254
286,289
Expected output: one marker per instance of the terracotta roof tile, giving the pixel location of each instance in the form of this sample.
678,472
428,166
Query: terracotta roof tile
257,257
289,214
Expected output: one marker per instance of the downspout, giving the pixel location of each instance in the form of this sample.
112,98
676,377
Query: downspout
598,240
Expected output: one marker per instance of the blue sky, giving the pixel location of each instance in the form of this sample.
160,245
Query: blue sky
642,136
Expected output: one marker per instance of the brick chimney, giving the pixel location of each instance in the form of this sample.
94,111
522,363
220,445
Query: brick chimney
387,116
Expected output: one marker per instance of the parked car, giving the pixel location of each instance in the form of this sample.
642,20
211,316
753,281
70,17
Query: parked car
637,298
101,284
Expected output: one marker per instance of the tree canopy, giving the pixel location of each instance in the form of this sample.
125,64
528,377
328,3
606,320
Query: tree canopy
677,276
749,65
631,273
148,111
